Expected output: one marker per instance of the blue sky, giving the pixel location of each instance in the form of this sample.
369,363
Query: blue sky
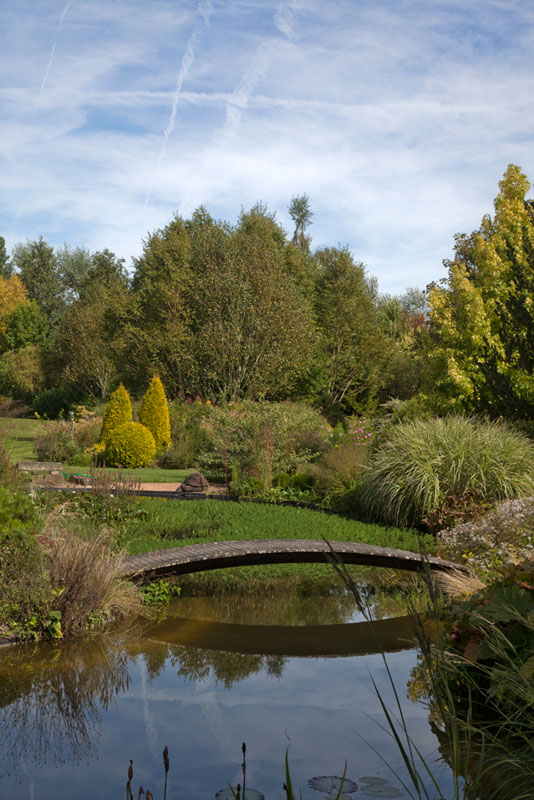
396,118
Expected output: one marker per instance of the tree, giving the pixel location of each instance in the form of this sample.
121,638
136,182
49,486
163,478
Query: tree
159,331
92,339
355,349
73,265
25,325
301,214
252,325
12,294
154,414
481,357
36,265
118,412
5,267
21,373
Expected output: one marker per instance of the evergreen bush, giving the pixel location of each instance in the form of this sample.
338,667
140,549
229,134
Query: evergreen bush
118,412
130,445
154,414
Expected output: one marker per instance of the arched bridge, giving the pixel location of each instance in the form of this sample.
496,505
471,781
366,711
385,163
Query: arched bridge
218,555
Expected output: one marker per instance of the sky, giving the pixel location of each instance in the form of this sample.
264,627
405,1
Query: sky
397,118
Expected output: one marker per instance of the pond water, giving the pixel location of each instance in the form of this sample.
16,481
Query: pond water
273,672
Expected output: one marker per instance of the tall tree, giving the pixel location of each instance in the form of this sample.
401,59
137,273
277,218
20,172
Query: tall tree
36,264
482,314
159,330
301,214
73,265
5,267
253,324
355,349
91,343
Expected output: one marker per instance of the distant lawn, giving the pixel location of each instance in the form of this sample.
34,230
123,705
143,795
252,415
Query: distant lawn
143,474
19,436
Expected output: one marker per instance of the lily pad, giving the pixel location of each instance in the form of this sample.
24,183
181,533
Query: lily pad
370,779
250,794
331,784
382,791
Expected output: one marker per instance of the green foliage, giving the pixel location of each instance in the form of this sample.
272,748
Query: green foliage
118,412
55,403
56,442
425,461
258,439
154,414
5,267
355,350
25,592
481,355
159,592
26,325
21,373
130,445
38,269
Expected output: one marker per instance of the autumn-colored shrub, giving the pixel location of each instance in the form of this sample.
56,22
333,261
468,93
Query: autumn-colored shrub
118,412
130,445
154,414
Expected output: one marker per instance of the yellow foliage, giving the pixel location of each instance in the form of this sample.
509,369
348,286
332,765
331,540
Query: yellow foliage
154,414
12,294
118,411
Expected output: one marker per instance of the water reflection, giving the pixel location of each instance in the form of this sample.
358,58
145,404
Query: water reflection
106,699
52,698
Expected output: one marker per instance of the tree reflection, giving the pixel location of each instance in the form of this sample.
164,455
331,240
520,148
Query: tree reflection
228,668
52,698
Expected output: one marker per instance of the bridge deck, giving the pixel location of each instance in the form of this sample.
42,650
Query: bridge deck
218,555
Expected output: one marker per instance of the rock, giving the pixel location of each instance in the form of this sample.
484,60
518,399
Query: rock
80,480
53,467
196,482
179,488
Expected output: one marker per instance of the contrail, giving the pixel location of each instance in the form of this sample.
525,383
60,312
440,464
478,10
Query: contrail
187,60
52,52
205,9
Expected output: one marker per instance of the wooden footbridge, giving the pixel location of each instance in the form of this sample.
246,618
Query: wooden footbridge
218,555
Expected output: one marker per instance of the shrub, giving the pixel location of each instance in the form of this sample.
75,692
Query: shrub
118,412
257,439
423,462
25,591
154,414
130,445
52,404
502,537
57,443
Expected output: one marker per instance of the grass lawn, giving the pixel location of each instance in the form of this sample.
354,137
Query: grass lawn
143,474
160,524
19,435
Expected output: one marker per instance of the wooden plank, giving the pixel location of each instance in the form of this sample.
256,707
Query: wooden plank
219,555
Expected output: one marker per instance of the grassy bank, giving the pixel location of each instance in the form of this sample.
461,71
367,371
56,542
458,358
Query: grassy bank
156,524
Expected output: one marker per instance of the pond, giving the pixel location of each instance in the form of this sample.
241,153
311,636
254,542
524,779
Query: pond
277,672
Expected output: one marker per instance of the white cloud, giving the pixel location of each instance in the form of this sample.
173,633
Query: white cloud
397,119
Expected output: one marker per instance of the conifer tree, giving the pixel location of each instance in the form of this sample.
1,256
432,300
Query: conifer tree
118,411
154,414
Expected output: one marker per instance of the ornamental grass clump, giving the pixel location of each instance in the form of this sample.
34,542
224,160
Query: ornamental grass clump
424,462
154,414
118,412
130,445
